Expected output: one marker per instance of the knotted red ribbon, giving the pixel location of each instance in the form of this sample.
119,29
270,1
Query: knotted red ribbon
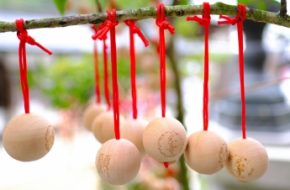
163,25
133,29
205,22
24,38
106,72
239,20
96,68
109,25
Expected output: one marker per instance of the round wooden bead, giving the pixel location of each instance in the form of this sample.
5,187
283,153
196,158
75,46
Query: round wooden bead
103,126
248,159
91,112
28,137
206,152
132,130
118,161
164,139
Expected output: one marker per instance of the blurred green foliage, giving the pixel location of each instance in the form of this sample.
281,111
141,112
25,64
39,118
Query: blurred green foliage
70,81
60,5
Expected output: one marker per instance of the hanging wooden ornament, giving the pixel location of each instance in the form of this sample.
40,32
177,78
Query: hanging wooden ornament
133,128
27,137
164,139
206,152
93,110
118,160
248,159
103,124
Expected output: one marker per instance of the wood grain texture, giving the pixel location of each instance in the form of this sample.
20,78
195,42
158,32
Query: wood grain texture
28,137
164,139
206,152
248,159
118,161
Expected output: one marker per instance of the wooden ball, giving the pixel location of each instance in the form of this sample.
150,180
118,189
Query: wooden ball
164,139
132,130
118,161
28,137
103,126
248,159
91,112
206,152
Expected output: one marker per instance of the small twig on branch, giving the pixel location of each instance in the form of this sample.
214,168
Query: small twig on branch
283,8
149,12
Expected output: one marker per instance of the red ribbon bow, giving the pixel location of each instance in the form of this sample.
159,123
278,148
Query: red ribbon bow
240,17
106,26
24,38
134,30
205,22
161,20
239,20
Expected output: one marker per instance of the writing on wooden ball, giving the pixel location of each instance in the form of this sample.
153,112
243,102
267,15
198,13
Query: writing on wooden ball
118,161
206,152
103,126
164,139
91,112
28,137
132,130
248,159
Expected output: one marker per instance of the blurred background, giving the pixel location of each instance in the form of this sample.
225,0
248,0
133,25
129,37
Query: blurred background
62,85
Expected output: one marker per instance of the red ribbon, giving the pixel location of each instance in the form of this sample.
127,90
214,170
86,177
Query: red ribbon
24,38
96,69
109,25
205,22
133,29
163,25
106,72
239,20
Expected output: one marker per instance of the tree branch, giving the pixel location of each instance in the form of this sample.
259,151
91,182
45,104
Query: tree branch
283,8
148,12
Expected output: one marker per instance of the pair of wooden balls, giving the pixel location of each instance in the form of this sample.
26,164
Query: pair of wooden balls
28,137
164,139
91,112
118,161
206,152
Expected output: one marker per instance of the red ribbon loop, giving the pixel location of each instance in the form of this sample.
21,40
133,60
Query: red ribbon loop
161,20
105,27
163,24
205,20
240,17
24,38
239,20
135,30
96,68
